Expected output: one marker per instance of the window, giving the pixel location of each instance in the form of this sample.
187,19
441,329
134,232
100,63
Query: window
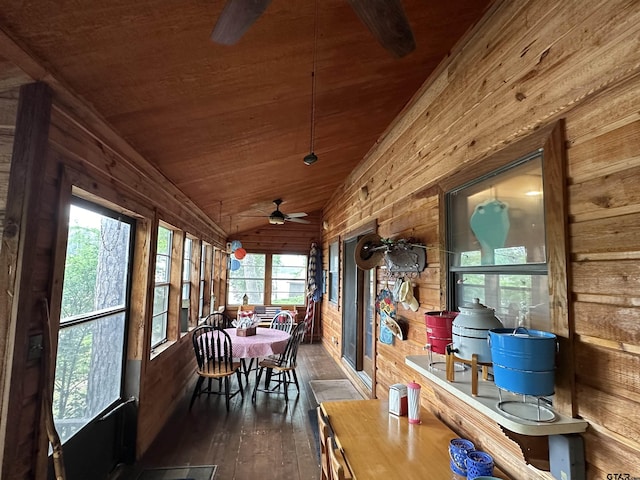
203,263
248,280
214,277
269,279
93,317
496,240
288,279
334,273
162,287
185,310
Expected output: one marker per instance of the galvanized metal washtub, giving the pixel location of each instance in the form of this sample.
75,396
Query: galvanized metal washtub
523,360
439,330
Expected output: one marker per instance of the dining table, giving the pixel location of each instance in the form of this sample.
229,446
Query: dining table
266,342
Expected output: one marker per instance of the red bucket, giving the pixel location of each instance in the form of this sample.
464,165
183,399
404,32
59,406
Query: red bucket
439,330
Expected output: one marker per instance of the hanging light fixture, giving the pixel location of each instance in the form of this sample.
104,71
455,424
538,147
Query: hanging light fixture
312,158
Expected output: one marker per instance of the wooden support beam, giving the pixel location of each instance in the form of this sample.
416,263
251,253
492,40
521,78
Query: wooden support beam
19,302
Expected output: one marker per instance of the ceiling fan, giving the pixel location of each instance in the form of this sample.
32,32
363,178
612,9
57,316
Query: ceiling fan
384,18
278,218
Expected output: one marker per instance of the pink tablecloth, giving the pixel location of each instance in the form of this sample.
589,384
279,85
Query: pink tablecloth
266,341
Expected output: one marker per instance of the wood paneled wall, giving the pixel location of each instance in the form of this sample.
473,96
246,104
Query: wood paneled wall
8,108
526,65
75,160
24,283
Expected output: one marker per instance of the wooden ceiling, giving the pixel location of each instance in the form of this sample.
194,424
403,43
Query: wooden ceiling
230,125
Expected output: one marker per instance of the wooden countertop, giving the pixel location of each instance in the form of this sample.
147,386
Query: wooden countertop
378,445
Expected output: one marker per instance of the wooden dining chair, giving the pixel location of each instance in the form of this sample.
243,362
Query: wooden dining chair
325,444
337,466
213,351
283,367
283,320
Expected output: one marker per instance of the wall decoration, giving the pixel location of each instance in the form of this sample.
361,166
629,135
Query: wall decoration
400,256
386,308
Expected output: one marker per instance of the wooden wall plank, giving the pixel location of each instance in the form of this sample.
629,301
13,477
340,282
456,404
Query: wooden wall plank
608,370
599,114
623,418
11,77
608,322
8,110
21,300
596,199
611,234
600,448
609,153
619,277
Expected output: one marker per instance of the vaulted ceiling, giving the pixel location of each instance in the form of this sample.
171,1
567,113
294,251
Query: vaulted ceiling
230,125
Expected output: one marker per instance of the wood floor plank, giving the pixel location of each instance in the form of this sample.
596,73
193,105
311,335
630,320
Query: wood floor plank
268,440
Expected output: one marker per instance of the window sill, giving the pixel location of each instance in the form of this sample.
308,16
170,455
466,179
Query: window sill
155,352
487,399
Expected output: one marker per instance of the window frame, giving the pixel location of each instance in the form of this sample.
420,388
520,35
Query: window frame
230,277
202,278
165,285
186,270
186,281
268,279
531,269
551,139
291,279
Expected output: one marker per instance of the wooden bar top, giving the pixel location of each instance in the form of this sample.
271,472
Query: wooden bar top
378,445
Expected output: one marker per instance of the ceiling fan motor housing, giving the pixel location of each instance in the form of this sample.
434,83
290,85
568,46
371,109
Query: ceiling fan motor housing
276,218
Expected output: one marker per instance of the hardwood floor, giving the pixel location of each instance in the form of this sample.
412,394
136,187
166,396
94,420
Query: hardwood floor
268,440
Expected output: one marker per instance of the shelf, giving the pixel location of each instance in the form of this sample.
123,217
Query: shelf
487,399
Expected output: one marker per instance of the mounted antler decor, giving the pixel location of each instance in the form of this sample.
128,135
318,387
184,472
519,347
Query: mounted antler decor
400,256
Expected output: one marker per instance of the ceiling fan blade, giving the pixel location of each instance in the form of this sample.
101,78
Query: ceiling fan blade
236,18
388,23
296,220
296,215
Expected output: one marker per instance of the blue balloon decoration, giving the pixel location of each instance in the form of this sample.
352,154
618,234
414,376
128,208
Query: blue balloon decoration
235,264
235,245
